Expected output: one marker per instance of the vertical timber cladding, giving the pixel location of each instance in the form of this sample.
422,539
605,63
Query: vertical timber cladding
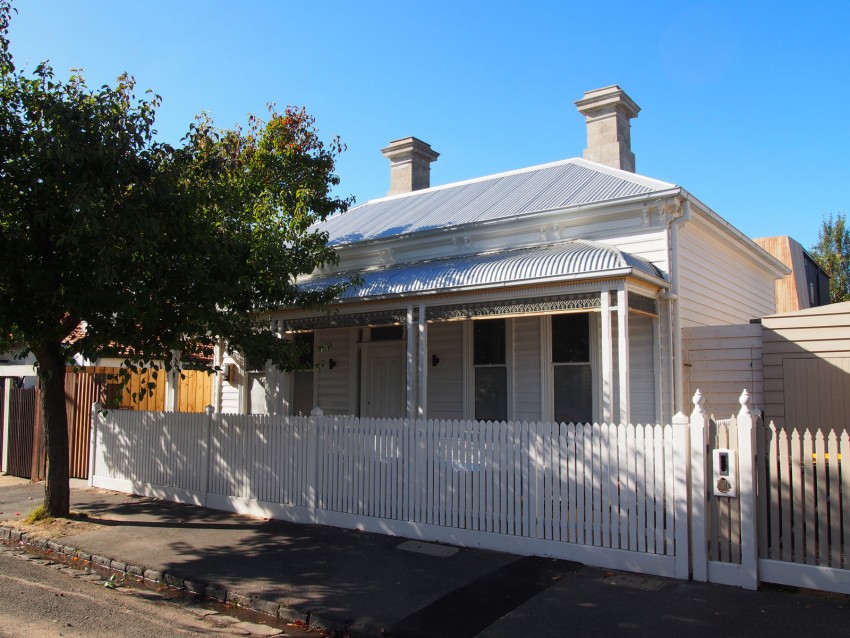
81,391
194,391
22,403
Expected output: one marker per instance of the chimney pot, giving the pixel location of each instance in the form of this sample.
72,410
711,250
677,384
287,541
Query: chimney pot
410,164
607,112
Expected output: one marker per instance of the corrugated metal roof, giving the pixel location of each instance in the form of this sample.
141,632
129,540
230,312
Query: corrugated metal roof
563,184
565,261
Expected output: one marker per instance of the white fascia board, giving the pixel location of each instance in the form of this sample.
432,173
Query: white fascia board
17,370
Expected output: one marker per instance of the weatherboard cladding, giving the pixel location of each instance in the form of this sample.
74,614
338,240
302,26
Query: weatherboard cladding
573,182
567,260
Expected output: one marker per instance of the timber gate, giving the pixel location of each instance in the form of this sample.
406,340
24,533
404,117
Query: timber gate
785,519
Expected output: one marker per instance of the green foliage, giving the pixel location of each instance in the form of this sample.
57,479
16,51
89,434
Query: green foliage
157,250
832,252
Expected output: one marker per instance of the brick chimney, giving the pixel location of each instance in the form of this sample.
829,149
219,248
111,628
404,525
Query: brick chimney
410,164
608,111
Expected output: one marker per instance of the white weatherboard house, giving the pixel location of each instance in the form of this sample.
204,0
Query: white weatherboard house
551,293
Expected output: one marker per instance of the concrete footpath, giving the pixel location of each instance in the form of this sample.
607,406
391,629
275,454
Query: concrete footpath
373,585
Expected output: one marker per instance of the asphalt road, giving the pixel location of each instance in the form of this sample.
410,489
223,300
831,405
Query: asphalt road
37,601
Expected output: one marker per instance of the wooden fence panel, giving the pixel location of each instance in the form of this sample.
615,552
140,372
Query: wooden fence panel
81,391
194,391
22,417
808,490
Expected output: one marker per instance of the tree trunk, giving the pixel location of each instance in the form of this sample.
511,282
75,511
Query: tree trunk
51,376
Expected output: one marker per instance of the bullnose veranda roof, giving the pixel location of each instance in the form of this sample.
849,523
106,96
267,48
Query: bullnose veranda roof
564,184
561,262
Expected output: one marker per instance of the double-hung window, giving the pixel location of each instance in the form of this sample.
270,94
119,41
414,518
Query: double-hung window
572,376
491,369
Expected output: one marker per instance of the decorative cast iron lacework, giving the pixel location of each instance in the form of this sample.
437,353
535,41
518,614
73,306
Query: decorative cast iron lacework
643,304
516,306
585,301
347,320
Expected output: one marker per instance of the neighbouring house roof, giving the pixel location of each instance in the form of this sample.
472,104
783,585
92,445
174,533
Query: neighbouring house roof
568,183
553,262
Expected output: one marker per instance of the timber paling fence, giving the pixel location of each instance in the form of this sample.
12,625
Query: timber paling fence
633,497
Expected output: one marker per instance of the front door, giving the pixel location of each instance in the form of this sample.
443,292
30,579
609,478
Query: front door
383,380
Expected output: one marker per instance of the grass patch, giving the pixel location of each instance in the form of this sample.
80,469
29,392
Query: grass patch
38,515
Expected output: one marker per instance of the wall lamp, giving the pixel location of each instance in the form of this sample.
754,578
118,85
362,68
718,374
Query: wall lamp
435,361
331,364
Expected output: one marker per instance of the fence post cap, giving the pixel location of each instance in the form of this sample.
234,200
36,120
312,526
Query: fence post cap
209,410
317,411
744,400
697,400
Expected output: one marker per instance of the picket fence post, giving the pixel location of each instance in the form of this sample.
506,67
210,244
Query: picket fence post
698,519
95,411
205,486
312,475
681,493
747,492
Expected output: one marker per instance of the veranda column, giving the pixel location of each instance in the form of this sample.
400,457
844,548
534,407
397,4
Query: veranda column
410,412
422,402
607,359
623,352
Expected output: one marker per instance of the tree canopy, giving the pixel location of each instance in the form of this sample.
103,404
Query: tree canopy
832,252
154,248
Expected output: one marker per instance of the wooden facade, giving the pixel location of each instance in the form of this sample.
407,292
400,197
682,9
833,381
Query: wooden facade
807,367
195,390
806,286
720,361
797,364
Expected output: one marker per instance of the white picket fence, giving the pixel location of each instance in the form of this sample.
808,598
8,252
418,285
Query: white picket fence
606,495
637,498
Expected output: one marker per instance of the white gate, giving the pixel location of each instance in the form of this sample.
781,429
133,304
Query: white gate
788,519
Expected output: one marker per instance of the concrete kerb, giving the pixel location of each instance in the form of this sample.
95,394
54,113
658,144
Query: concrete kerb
211,591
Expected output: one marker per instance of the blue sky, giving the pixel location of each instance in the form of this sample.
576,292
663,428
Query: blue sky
743,103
